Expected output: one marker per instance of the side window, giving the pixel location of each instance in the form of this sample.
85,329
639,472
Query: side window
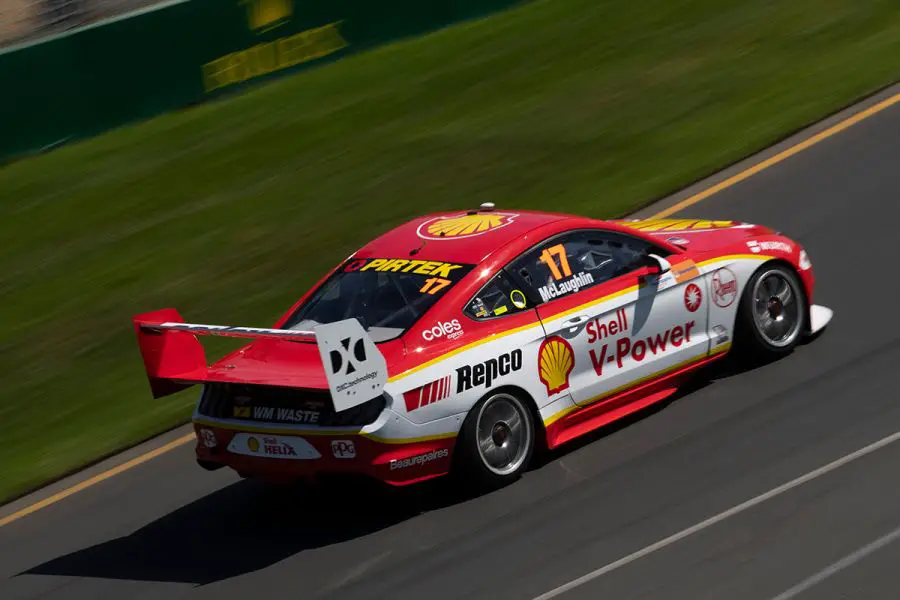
576,261
497,298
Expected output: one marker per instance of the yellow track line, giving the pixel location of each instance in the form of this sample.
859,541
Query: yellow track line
784,154
698,197
96,479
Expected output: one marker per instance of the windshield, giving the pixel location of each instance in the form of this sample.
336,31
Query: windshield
386,295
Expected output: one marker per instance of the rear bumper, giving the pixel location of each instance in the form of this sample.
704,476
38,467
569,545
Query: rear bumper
288,456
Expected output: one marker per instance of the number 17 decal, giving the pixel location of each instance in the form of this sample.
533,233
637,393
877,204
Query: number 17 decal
433,285
547,258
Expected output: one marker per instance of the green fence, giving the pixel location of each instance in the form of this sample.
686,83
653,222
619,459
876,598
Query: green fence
89,81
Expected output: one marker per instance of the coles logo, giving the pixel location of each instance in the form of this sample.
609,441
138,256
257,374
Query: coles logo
449,329
463,226
692,297
724,287
555,362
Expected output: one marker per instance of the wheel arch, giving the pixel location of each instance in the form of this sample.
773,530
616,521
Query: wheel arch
461,456
793,269
540,430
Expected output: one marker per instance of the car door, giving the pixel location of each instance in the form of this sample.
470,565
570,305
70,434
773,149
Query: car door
610,322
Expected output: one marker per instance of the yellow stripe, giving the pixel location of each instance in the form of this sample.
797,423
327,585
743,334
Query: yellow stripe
732,257
784,154
631,384
96,479
318,432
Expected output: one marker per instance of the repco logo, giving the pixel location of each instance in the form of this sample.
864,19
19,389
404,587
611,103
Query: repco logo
484,374
450,329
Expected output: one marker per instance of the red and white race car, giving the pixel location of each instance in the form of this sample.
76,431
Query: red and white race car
468,340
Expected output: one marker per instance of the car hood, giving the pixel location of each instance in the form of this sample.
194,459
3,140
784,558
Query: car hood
696,234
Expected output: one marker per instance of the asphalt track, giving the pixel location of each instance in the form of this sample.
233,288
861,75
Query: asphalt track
637,508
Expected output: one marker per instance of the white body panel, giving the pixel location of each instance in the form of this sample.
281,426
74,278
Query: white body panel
634,335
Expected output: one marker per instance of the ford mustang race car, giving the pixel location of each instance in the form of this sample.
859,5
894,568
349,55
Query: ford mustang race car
463,342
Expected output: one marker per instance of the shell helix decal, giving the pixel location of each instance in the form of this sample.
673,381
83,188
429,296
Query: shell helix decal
555,362
463,226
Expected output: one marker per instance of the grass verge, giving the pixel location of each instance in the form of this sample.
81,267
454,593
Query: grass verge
230,210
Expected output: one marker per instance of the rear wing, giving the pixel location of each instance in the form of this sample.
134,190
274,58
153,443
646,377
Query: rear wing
174,358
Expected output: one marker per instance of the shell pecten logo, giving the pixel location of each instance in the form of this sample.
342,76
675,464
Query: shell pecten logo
555,362
463,226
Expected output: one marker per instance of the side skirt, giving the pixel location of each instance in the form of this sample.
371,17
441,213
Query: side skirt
585,419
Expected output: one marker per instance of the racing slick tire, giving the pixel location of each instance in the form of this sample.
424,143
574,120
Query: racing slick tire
496,441
772,314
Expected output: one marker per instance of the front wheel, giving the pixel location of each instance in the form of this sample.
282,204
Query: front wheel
772,313
497,440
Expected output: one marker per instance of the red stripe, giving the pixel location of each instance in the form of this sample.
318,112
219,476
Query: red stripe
412,398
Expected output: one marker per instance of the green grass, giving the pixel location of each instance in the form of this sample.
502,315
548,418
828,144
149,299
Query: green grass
229,211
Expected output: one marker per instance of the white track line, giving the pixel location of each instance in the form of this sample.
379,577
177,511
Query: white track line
839,565
720,517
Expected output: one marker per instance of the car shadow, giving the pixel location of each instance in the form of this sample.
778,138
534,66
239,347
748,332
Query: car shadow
245,527
248,526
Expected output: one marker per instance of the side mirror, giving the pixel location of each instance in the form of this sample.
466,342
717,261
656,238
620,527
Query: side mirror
658,261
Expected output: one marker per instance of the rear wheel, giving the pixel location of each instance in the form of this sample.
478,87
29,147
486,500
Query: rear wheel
497,440
772,314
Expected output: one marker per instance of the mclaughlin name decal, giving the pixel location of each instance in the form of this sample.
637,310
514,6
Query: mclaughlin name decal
554,290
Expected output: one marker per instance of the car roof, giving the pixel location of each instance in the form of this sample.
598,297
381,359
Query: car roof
460,236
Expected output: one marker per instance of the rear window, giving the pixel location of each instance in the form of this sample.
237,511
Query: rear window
386,295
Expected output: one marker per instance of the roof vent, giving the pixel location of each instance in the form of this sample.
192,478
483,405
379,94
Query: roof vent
487,206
